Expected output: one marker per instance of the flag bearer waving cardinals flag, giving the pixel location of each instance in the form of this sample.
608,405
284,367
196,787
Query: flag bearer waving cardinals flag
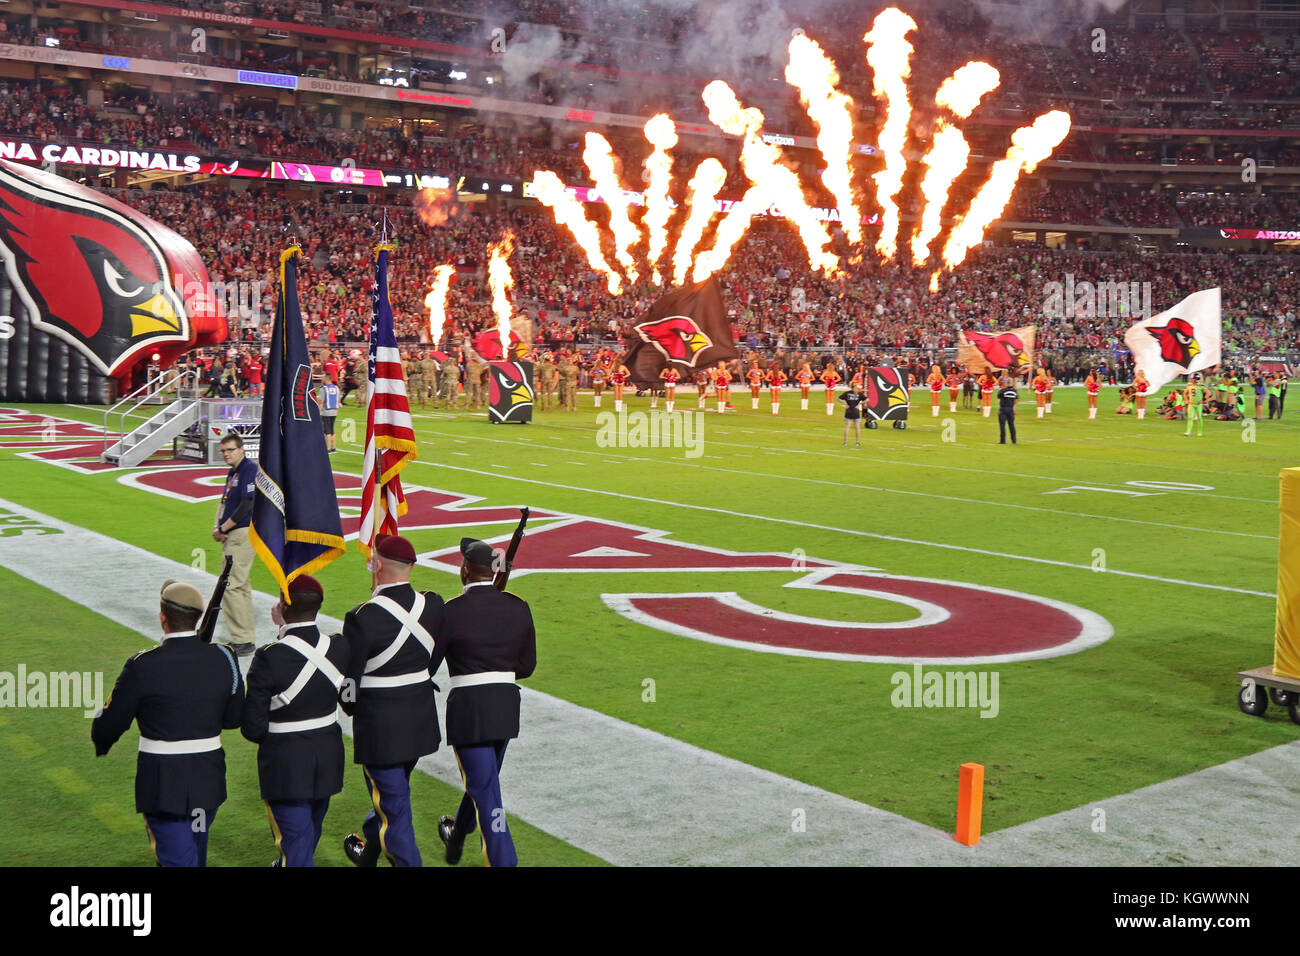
686,329
296,528
390,437
1178,341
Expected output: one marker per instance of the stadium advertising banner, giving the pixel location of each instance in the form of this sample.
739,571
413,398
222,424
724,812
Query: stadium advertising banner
1274,234
61,152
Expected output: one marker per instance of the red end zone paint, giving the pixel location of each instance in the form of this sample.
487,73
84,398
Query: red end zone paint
956,624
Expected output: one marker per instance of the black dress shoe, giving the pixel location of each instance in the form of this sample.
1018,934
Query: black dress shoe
244,649
454,842
355,849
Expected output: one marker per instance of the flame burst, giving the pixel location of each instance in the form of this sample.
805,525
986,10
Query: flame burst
732,227
436,302
599,158
949,151
434,206
889,56
661,133
568,212
813,73
773,181
704,185
1030,145
501,282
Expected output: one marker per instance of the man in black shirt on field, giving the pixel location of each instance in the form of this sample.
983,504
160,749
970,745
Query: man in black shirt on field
1007,396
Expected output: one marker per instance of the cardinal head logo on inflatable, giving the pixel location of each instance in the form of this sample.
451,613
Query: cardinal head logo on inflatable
100,276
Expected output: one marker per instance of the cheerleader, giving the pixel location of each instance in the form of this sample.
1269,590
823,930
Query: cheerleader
617,379
859,380
1141,386
670,378
1051,387
830,378
722,386
775,379
598,375
755,377
702,384
804,377
988,385
935,381
1093,385
953,381
1040,390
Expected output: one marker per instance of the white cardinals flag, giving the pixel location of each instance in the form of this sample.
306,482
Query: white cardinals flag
1186,338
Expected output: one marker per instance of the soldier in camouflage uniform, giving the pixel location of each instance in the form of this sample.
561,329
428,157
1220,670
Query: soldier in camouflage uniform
448,377
430,369
414,377
547,378
568,382
475,385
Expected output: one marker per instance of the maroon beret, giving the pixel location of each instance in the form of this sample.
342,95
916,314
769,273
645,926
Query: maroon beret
395,547
306,584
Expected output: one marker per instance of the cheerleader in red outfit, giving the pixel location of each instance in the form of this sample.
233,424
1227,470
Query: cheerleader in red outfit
755,376
804,377
935,381
775,379
1040,390
830,378
670,376
859,380
702,385
988,385
1051,387
1094,389
722,386
1141,386
953,381
617,379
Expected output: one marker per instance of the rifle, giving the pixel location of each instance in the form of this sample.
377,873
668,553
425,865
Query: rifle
502,575
208,623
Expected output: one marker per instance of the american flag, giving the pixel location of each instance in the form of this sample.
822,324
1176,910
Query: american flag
390,439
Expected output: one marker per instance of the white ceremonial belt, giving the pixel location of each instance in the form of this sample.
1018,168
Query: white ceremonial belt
401,680
200,745
483,677
294,726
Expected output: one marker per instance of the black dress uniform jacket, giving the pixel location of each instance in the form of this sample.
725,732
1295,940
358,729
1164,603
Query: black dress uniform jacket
302,764
183,689
486,630
393,724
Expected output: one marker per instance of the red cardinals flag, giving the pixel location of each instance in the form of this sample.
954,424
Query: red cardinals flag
1184,339
997,353
686,328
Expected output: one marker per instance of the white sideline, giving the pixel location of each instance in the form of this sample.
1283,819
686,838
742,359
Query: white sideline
632,796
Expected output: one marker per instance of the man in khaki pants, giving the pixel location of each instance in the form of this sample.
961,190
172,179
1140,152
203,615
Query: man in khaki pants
231,529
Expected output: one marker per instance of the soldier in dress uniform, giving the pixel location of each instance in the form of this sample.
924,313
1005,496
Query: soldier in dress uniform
181,694
488,641
390,695
291,713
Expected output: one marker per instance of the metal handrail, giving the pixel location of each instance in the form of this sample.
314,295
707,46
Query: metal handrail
155,384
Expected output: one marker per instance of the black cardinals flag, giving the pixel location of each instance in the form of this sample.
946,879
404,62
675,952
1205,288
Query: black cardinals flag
296,527
686,328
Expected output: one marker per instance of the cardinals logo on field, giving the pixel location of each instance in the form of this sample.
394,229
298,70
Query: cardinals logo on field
1002,351
678,337
1177,341
88,271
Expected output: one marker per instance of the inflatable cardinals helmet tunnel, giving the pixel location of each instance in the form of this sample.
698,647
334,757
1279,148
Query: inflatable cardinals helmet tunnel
90,290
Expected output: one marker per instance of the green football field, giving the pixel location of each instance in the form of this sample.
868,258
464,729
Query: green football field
1172,540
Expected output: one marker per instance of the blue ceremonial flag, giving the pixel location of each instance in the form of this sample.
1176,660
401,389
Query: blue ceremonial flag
296,527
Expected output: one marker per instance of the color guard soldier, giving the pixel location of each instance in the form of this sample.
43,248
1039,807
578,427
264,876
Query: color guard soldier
291,713
488,641
181,694
389,693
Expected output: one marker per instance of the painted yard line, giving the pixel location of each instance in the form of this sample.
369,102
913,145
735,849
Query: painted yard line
981,471
652,800
917,494
851,531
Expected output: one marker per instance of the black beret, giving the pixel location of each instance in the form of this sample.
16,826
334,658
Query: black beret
477,552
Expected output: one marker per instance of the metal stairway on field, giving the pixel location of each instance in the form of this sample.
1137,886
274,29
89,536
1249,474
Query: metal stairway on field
158,431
